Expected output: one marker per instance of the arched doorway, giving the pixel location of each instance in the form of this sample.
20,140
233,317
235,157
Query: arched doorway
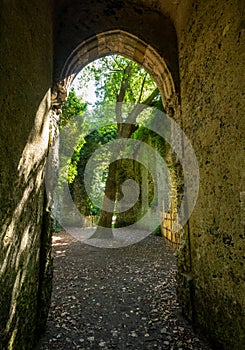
132,47
128,45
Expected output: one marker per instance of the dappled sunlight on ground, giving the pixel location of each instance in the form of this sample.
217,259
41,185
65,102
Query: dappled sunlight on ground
122,298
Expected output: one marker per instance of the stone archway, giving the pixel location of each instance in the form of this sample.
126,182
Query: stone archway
128,45
134,48
202,43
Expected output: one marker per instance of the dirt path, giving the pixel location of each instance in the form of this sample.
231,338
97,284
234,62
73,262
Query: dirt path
120,298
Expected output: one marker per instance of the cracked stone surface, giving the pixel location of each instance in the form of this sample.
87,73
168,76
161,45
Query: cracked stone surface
120,298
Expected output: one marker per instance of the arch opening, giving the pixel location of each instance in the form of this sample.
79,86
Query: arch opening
133,48
125,44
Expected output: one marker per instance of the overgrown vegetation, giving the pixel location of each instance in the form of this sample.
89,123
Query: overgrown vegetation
121,83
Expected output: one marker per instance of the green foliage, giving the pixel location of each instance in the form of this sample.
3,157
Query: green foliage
116,79
153,139
92,142
72,107
109,74
72,129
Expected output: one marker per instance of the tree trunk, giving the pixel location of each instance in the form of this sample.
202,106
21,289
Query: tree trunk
125,130
104,228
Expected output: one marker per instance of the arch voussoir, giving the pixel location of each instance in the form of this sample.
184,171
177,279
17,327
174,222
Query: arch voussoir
125,44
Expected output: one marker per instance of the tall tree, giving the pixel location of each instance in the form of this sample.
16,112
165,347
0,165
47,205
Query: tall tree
119,80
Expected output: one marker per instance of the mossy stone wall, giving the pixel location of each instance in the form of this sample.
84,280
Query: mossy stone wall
212,54
25,82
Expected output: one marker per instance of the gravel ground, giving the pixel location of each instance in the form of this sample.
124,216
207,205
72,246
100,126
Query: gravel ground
121,298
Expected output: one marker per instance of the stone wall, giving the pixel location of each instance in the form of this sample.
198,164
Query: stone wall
75,22
25,81
212,53
206,60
